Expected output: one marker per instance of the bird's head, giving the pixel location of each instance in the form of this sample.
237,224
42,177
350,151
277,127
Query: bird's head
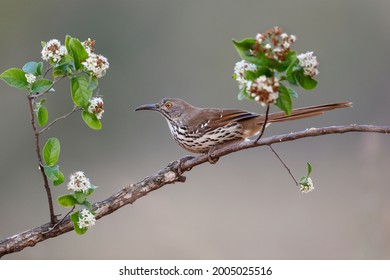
171,108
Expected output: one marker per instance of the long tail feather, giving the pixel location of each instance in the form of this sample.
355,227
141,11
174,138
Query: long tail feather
307,112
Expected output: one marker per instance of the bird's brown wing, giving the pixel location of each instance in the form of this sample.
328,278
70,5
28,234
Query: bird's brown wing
213,118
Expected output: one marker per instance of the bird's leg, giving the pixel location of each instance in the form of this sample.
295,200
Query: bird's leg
210,154
180,168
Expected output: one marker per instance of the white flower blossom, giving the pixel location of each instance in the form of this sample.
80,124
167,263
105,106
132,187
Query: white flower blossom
89,46
259,38
53,50
79,182
30,78
97,64
264,90
283,35
86,219
293,38
309,64
306,185
277,50
96,107
239,71
286,45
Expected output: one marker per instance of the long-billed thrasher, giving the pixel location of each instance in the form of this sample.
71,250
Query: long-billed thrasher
200,130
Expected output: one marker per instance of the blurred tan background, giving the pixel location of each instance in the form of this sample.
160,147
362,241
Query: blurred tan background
244,207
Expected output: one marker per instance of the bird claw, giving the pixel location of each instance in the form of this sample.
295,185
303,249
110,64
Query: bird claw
210,156
180,168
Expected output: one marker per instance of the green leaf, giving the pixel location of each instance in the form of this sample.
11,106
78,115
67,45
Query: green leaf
93,83
76,50
43,100
290,58
284,101
43,115
293,93
52,172
306,82
67,200
91,120
91,190
309,169
87,204
243,48
40,68
273,63
33,67
241,95
15,77
291,71
60,180
80,197
51,151
74,217
42,85
64,67
67,40
250,75
81,93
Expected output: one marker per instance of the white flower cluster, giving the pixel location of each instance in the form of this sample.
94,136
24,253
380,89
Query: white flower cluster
79,182
274,43
306,185
89,45
53,50
86,219
96,107
95,63
30,78
239,71
264,90
309,64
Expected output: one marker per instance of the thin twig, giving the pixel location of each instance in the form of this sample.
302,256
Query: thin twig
75,109
47,71
35,96
39,156
285,165
66,215
264,124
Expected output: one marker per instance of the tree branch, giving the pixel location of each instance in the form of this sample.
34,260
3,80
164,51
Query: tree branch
168,175
53,218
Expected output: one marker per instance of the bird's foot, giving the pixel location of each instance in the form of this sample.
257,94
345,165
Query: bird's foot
211,157
180,168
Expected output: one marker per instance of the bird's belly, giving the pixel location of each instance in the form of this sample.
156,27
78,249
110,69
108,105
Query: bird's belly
197,143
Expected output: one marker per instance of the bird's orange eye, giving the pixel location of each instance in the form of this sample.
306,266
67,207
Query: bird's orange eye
168,105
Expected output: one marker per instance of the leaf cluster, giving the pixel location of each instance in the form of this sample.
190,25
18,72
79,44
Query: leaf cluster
288,72
82,82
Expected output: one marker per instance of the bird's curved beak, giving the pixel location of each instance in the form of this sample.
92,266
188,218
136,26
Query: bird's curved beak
150,107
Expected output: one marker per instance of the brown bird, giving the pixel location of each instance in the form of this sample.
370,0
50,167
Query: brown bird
199,130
